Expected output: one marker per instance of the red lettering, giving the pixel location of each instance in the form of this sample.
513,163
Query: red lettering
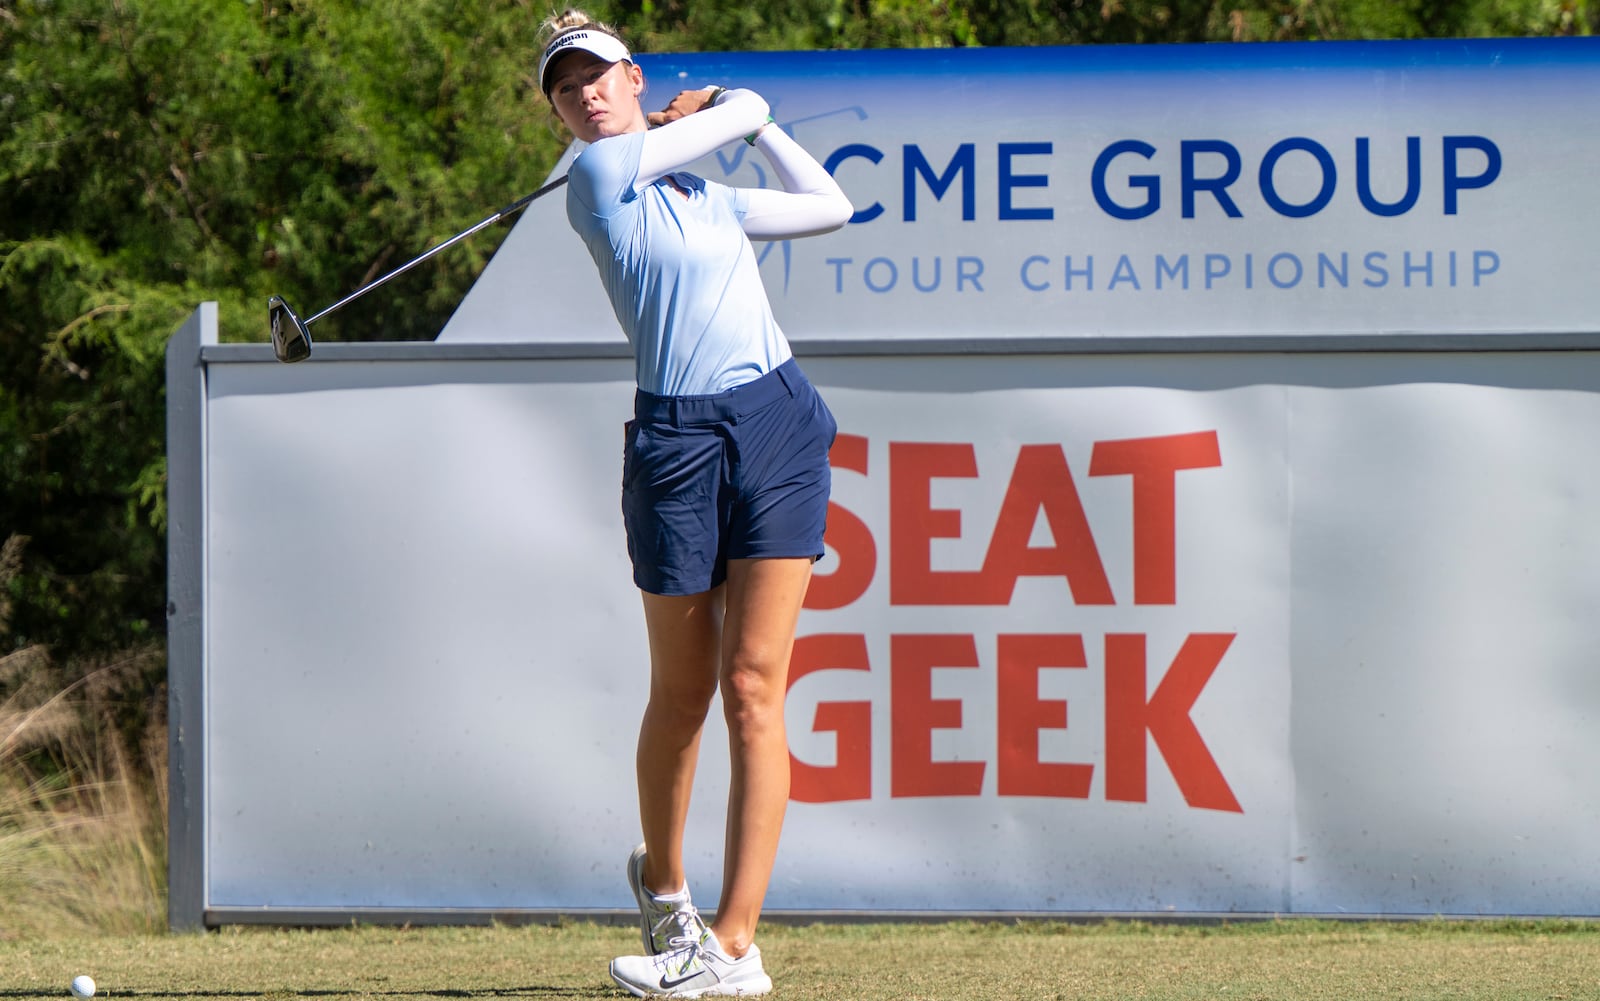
848,536
850,777
1022,714
1154,463
1165,717
1042,481
914,523
1041,484
915,714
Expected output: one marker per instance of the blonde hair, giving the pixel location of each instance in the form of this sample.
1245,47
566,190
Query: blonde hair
571,18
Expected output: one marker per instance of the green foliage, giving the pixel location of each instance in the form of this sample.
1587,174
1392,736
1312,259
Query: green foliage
669,25
81,421
158,153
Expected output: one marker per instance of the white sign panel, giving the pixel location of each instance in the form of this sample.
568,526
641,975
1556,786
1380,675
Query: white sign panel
1320,188
1222,633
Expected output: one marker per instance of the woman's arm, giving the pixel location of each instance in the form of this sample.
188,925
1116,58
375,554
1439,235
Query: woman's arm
687,134
811,201
691,127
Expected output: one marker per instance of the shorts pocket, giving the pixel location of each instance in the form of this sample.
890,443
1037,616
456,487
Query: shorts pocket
630,441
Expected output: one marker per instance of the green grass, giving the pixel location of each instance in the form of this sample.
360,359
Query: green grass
1501,961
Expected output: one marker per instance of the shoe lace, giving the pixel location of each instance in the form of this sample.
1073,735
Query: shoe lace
686,953
687,928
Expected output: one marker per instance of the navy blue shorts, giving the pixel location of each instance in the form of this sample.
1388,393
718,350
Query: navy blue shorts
735,475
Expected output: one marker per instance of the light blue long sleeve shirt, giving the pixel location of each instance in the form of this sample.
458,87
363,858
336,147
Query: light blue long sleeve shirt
679,270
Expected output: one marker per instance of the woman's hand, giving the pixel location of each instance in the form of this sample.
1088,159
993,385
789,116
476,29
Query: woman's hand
686,103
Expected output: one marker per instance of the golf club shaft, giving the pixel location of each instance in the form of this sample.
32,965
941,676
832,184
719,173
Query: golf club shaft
516,206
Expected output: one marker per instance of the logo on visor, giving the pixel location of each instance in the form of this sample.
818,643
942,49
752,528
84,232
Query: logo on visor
570,38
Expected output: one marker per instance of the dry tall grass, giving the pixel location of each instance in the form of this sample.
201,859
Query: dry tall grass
82,800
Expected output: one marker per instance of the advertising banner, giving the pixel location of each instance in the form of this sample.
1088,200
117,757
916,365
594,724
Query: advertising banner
1421,187
1276,633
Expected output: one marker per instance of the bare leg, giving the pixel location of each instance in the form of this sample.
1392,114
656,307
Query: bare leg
763,607
685,636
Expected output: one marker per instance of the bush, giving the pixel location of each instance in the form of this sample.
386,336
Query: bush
82,793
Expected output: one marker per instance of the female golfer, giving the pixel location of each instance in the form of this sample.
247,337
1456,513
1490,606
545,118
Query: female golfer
725,472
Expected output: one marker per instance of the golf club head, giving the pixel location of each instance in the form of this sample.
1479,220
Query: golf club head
291,341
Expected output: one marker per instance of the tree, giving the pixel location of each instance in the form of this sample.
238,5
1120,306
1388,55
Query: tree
667,25
150,159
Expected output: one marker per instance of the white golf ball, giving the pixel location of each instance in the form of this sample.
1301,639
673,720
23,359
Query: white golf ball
83,987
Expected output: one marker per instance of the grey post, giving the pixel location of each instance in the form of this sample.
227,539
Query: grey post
186,554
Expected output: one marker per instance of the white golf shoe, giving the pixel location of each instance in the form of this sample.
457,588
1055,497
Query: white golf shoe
695,969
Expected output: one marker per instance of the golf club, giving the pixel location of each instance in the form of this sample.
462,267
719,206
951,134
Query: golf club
291,336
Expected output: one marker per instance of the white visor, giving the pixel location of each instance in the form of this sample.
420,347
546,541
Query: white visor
590,40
